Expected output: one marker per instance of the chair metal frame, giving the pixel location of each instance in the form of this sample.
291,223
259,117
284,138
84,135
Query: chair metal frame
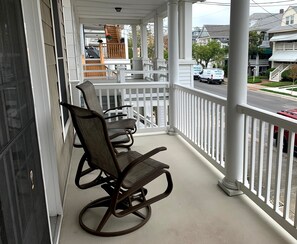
122,175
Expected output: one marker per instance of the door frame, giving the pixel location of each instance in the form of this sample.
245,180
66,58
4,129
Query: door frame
41,97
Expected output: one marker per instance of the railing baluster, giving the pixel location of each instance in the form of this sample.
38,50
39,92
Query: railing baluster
158,107
289,174
222,148
218,116
278,169
100,97
116,101
213,129
253,154
131,103
246,146
261,153
152,108
269,163
199,122
144,108
209,127
205,125
202,129
137,106
195,120
165,106
108,101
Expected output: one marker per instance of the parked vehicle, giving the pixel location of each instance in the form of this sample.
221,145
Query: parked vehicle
197,69
212,76
291,113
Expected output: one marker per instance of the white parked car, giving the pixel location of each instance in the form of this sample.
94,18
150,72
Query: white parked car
212,76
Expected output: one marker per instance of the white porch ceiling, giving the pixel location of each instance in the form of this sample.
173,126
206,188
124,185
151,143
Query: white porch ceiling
133,11
103,11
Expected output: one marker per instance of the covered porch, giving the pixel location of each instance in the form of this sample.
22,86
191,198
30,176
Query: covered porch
235,141
230,144
197,211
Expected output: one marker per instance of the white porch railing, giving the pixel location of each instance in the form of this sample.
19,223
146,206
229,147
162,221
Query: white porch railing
200,119
269,175
149,101
97,71
128,75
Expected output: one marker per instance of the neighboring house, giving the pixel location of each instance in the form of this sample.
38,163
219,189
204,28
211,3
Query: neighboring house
284,43
261,23
219,33
195,33
207,33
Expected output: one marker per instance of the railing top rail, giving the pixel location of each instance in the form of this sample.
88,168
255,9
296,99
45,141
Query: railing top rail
269,117
132,85
105,64
150,64
145,71
203,94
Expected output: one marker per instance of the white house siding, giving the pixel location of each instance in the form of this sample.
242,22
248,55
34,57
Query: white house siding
291,11
186,73
72,41
63,148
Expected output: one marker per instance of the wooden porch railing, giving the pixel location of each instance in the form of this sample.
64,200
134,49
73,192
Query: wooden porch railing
114,50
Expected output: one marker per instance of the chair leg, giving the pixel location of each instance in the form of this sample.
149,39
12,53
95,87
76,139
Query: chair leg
104,220
105,202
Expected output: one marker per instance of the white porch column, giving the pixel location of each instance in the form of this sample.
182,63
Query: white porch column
134,41
173,66
159,45
237,94
143,30
136,61
185,29
158,35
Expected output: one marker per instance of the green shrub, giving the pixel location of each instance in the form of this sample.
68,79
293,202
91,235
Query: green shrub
267,72
285,75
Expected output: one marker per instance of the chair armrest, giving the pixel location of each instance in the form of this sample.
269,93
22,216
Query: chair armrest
118,107
141,159
115,116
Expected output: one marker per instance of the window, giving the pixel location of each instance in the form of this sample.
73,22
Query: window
61,55
290,20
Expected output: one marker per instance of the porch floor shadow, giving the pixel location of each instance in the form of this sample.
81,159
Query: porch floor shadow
197,211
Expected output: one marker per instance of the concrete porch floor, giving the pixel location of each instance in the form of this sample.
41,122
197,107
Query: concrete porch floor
197,211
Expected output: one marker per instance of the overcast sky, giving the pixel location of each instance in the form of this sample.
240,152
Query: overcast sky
218,11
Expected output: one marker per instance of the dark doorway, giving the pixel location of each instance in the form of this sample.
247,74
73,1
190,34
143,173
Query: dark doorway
23,214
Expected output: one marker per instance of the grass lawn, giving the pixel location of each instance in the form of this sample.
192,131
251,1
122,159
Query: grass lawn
281,93
294,89
278,84
257,80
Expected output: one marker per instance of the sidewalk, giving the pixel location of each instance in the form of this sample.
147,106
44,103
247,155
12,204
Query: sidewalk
283,89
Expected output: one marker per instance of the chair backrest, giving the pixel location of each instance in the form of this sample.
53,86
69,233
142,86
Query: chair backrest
90,97
92,132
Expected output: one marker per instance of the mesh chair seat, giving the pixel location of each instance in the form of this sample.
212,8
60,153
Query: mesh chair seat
144,169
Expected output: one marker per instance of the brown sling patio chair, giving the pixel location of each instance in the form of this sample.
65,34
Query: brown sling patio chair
123,127
124,176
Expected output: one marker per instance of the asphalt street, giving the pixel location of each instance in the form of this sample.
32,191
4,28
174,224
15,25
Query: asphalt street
265,100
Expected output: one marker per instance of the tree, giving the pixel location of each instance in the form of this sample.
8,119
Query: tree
212,52
293,74
255,40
